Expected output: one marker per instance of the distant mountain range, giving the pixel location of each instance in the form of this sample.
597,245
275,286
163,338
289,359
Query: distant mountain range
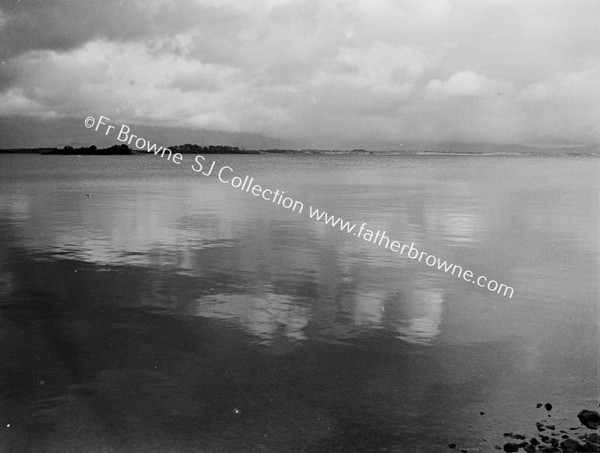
26,132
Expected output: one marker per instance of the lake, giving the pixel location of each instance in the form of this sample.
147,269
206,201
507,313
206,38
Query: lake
146,307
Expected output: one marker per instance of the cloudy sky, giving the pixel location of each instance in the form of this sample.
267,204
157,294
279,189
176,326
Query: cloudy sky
318,72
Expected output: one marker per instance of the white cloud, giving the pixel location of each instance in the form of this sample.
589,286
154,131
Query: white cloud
386,69
14,102
466,83
128,79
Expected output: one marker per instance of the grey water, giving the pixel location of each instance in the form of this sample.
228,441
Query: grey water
146,307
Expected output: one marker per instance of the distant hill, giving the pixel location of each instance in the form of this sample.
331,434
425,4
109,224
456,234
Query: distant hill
211,149
32,135
90,151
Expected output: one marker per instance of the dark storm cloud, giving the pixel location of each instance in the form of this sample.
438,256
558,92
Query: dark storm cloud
63,25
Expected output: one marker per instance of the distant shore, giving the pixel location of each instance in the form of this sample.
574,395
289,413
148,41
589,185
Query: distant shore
223,149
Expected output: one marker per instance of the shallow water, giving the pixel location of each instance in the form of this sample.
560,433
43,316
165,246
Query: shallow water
145,307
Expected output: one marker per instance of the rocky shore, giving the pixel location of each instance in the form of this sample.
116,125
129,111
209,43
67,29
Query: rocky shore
550,439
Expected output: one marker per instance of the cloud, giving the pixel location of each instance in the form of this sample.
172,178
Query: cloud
466,83
14,102
130,80
63,25
326,72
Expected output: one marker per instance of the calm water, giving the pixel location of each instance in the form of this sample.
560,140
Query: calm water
168,311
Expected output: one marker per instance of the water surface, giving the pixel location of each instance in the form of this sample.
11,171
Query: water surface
144,307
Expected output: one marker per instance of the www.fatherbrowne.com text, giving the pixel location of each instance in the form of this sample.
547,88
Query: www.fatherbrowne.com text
225,175
381,239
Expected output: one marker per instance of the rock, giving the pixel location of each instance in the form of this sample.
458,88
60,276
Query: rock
591,448
534,441
510,447
518,436
593,437
589,419
548,406
452,446
529,449
570,444
538,405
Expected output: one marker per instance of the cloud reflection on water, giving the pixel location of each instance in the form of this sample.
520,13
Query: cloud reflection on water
279,274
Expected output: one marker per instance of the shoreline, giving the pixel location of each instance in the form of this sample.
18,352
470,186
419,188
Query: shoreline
320,152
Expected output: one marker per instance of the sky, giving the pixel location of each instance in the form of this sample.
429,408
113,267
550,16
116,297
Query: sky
311,72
